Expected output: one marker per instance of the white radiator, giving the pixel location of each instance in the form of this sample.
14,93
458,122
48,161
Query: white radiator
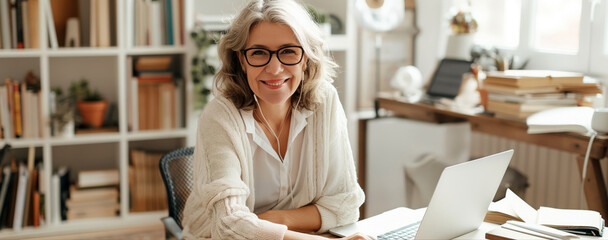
553,176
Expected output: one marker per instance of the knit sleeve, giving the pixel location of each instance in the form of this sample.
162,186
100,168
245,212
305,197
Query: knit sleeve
216,207
341,194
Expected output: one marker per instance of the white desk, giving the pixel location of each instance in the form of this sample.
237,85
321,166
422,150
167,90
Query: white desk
480,233
375,228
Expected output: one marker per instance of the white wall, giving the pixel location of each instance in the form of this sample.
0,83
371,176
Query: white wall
231,7
430,43
221,7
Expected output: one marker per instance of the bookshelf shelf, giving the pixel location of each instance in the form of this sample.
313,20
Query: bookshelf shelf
151,135
23,143
84,51
111,70
338,42
87,225
157,50
92,138
20,53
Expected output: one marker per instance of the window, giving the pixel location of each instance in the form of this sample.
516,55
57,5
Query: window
599,40
557,25
570,35
496,28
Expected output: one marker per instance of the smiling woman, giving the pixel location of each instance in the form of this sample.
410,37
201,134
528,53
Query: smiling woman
272,158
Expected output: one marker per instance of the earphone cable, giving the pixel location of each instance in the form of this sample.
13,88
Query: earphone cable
585,164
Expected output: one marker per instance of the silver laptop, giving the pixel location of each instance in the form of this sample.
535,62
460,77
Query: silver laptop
458,206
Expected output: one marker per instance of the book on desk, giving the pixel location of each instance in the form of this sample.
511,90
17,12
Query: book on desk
513,208
517,94
568,119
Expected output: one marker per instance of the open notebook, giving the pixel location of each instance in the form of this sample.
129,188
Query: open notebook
564,119
577,221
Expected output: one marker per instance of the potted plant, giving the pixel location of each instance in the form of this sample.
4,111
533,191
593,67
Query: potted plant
203,67
90,103
62,114
459,44
321,19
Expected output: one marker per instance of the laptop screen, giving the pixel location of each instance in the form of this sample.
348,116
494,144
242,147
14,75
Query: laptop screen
448,77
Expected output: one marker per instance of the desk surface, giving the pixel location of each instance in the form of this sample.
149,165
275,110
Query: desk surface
595,187
570,142
407,215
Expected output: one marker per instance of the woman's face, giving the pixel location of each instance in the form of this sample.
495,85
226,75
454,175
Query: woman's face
275,82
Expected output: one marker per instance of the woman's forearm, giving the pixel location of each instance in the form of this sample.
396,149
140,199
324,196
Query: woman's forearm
289,235
304,219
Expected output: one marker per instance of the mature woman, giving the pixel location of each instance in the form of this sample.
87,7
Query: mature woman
272,158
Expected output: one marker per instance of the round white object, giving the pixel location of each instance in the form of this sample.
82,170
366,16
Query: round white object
599,121
408,80
379,16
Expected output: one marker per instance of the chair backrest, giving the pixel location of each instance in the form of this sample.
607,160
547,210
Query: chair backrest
177,171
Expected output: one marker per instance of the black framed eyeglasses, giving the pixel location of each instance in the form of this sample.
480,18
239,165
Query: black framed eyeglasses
258,57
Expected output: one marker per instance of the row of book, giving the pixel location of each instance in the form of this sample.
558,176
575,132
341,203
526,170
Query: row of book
19,24
21,192
82,23
158,22
156,102
146,184
156,97
94,194
20,110
517,94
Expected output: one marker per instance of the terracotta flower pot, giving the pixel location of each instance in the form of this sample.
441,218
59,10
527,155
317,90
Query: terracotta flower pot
92,113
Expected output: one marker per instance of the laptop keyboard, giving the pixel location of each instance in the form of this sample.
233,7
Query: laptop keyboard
405,232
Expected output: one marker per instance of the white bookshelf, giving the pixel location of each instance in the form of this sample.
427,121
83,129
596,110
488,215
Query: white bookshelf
106,70
87,225
338,42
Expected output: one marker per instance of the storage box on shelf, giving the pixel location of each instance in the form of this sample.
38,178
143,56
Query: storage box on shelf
106,62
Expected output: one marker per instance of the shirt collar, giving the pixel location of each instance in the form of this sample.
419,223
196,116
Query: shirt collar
249,120
298,115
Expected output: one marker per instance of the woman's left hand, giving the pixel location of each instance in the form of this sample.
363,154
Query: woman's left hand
358,236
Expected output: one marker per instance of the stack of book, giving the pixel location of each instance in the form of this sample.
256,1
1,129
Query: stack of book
147,188
517,94
95,195
155,95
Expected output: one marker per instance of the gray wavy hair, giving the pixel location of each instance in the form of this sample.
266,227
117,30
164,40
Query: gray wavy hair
231,81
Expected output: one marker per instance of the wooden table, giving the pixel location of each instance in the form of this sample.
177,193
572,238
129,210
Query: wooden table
595,187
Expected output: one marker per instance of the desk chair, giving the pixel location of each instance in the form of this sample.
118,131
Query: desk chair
176,169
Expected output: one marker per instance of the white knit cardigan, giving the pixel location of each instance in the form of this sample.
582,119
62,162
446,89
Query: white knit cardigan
222,200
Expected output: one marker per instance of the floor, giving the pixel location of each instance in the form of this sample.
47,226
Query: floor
146,232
